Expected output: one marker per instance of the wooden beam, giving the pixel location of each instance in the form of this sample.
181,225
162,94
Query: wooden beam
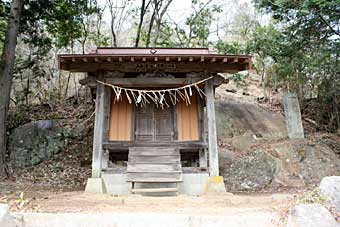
98,132
128,66
212,137
151,82
119,145
106,125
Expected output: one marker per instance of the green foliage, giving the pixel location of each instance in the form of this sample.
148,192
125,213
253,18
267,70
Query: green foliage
238,78
196,30
231,48
4,10
311,197
199,23
304,45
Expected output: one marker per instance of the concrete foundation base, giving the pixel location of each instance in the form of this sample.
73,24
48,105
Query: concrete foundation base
95,185
116,183
215,185
193,184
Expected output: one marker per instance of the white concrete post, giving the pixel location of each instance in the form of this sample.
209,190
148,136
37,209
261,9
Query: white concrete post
98,132
212,137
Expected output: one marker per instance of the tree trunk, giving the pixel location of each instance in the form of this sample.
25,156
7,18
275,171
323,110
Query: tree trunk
141,19
159,21
152,20
6,75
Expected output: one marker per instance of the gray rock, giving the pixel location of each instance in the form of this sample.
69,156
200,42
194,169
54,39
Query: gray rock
310,215
235,118
6,219
44,124
249,173
32,143
244,141
330,188
301,160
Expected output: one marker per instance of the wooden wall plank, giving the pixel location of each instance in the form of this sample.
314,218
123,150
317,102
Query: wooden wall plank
187,120
120,120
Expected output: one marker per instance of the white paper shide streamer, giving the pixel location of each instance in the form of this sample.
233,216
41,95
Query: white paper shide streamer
160,97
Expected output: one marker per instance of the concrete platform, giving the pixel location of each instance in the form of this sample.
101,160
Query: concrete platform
95,185
244,219
193,184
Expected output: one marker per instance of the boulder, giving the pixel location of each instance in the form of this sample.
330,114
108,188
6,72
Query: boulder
303,161
32,143
310,215
291,163
330,188
246,122
251,172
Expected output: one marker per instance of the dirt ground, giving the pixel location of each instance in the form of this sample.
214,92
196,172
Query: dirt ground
56,200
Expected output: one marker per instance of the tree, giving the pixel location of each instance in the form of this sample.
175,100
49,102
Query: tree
6,74
160,7
143,11
196,30
119,11
307,53
43,26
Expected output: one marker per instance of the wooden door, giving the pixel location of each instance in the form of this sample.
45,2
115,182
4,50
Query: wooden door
154,124
144,123
164,126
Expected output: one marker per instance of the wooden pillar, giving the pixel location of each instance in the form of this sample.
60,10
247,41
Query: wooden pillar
212,137
98,134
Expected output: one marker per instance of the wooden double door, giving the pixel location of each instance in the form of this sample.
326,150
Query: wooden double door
154,123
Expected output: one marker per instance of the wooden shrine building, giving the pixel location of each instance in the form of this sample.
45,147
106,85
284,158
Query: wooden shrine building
155,116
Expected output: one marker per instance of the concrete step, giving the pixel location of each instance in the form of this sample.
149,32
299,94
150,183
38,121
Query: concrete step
146,190
157,180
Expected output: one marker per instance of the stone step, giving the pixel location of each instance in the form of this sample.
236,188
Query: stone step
153,167
157,180
154,158
146,190
154,175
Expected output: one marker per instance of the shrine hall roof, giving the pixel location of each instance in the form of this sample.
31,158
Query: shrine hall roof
148,59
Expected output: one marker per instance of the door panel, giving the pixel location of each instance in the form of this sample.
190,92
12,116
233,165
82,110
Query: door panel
164,127
154,124
144,123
